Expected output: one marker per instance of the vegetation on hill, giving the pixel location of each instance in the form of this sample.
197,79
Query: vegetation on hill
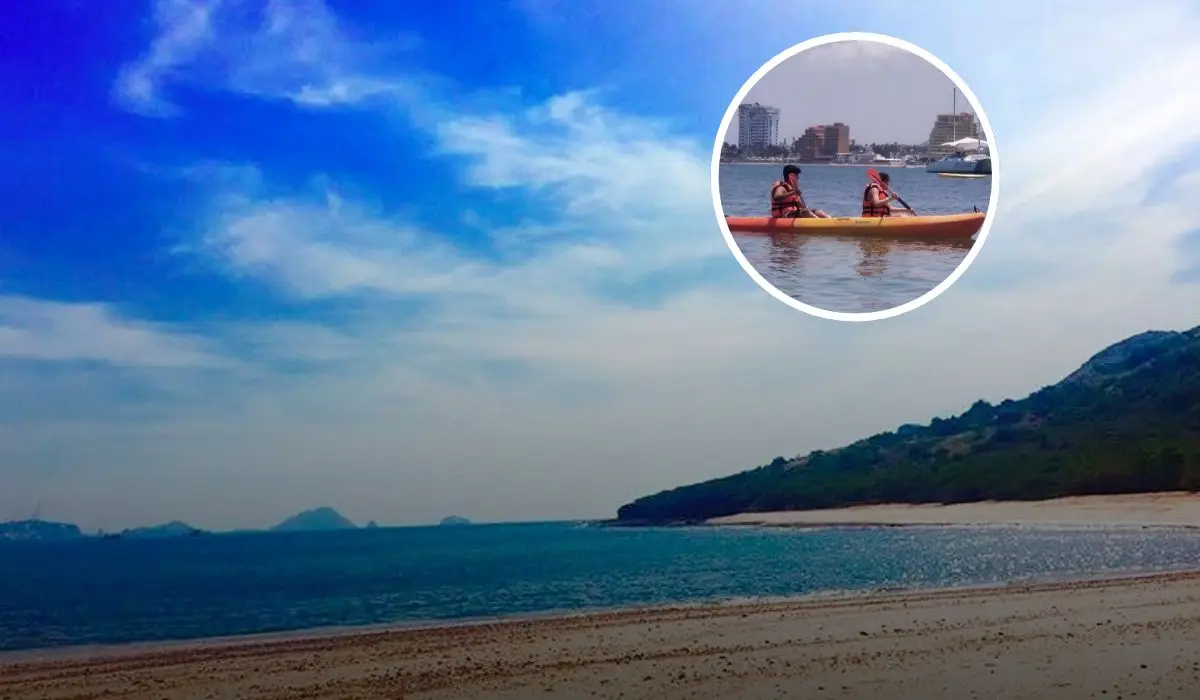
1127,421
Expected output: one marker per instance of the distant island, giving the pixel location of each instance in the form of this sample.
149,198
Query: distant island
39,531
35,530
324,518
455,520
1127,421
174,528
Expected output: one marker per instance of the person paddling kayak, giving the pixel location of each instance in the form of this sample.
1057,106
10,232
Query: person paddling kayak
787,201
877,199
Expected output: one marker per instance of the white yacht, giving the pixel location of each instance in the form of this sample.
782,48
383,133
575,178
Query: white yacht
960,162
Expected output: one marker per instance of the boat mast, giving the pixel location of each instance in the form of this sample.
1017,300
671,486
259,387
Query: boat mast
954,115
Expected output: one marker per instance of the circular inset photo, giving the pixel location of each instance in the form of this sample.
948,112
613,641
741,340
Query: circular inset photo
855,177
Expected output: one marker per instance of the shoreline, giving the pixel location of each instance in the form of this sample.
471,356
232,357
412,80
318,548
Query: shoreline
1129,633
873,525
1176,511
331,633
1163,510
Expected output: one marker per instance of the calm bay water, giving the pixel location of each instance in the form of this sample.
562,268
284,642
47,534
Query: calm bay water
105,591
853,275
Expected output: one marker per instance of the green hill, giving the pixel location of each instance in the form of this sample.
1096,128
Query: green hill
1127,421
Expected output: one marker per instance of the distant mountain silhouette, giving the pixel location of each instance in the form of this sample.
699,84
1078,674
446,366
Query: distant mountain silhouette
174,528
324,518
455,520
316,519
1126,421
39,531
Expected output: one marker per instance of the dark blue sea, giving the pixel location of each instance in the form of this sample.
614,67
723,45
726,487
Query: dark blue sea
117,591
853,275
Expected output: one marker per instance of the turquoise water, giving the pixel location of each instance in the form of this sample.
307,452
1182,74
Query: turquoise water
852,275
113,591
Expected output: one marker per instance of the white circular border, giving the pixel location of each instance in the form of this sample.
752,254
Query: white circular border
842,315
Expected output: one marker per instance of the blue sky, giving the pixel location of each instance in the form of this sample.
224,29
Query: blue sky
258,257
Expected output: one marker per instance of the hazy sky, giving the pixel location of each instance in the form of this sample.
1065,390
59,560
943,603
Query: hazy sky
885,94
323,255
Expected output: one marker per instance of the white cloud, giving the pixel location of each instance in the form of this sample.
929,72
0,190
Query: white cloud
1109,140
590,156
1077,105
185,28
591,167
330,249
292,49
33,329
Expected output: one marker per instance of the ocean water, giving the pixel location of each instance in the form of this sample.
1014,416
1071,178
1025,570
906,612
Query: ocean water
852,275
113,591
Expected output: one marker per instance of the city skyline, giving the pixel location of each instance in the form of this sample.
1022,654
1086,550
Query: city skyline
830,141
913,92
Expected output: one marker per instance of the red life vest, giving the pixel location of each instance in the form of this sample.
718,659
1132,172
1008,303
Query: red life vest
786,206
869,207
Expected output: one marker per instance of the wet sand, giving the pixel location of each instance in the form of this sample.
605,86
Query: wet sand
1133,510
1131,638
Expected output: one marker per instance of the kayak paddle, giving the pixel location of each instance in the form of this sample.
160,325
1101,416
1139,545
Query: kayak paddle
874,175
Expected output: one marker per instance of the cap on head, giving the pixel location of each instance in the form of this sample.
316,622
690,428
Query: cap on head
790,170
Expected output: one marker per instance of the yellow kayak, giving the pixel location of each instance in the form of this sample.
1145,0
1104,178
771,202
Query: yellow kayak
957,226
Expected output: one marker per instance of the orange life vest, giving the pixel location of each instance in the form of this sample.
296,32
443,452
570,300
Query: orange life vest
787,206
869,207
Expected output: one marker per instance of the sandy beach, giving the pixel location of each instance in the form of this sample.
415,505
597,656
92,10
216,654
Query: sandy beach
1134,510
1131,638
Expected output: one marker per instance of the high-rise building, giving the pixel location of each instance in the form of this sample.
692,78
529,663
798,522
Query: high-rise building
825,141
837,139
951,127
812,144
758,127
